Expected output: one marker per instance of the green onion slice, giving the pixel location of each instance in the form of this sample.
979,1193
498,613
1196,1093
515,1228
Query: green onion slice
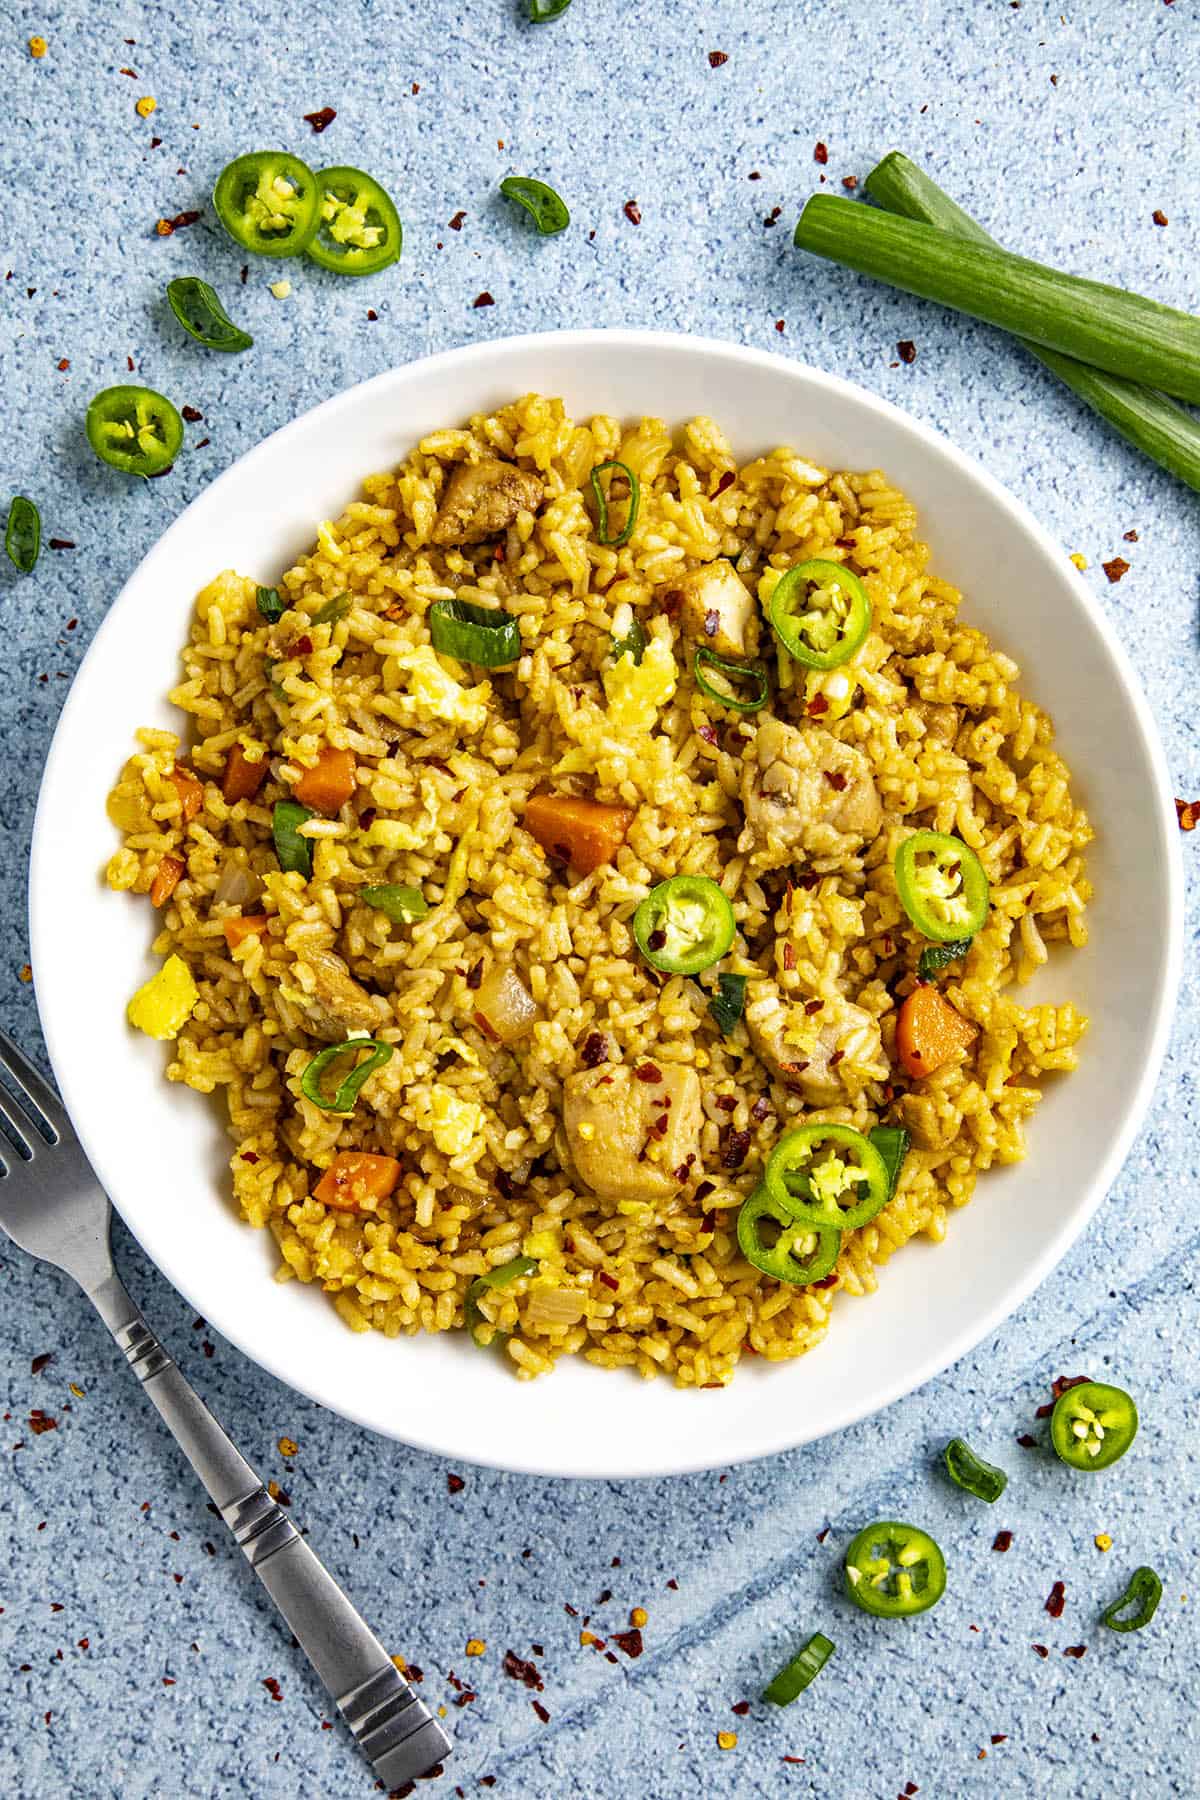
603,536
541,10
402,905
972,1474
486,635
500,1277
752,674
346,1093
728,1003
547,209
1143,1595
270,605
820,613
203,317
936,957
804,1668
333,610
293,851
23,535
632,644
892,1143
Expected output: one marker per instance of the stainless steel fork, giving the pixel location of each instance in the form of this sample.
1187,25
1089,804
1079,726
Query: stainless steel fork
52,1205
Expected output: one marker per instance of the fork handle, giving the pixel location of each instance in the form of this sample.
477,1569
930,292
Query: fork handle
399,1736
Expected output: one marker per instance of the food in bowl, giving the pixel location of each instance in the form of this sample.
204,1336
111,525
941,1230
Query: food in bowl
597,874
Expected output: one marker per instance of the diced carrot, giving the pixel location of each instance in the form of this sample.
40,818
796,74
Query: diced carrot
584,833
929,1032
327,786
243,778
353,1176
236,930
167,877
191,794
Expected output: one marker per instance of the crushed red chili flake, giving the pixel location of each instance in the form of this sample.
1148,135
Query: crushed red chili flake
781,325
41,1362
816,706
1002,1540
595,1050
64,364
475,975
772,218
999,1737
1026,1442
736,1149
484,299
906,350
793,1759
304,645
1056,1599
708,733
610,1281
62,543
647,1072
741,1708
465,1697
571,1611
633,212
1189,813
789,956
322,120
456,223
1075,1650
629,1641
192,414
40,1421
1059,1386
455,1483
716,58
820,153
825,1281
166,227
372,314
1115,567
1159,216
1131,537
727,480
836,779
273,1688
726,1102
850,182
416,88
822,1534
518,1669
538,1649
761,1108
910,1788
245,274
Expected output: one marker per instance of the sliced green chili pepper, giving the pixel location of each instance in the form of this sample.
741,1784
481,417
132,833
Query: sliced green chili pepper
970,1472
623,536
684,925
936,957
894,1571
820,613
293,851
768,1237
892,1143
134,429
402,905
268,202
333,610
346,1093
804,1668
358,228
942,886
23,534
728,1003
752,673
270,605
501,1277
808,1174
1143,1594
201,314
1093,1425
485,635
541,10
632,644
546,208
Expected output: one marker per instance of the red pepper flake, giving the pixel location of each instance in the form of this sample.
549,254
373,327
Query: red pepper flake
708,733
822,1534
168,1681
910,1788
571,1611
716,59
132,72
1002,1540
633,212
41,1362
1056,1599
595,1050
629,1641
322,120
610,1281
62,543
850,182
754,175
85,1643
245,274
475,975
789,956
727,480
820,153
825,1282
64,365
40,1421
1159,216
736,1150
1115,567
192,414
456,223
999,1737
166,227
1026,1442
741,1708
816,706
250,1156
772,218
793,1759
372,314
155,142
518,1669
465,1697
273,1688
416,88
1076,1650
455,1483
647,1072
726,1102
781,326
906,350
813,1006
761,1108
1189,813
836,780
1131,537
1059,1386
484,299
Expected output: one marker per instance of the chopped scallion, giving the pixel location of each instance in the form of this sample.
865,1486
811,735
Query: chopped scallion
500,1277
270,605
485,635
752,675
333,610
632,644
603,536
728,1003
402,905
344,1096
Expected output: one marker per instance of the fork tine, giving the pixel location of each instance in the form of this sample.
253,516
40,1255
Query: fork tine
32,1087
22,1133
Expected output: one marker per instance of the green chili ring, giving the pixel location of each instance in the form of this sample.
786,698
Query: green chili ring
134,429
202,316
23,535
684,925
790,625
294,852
500,1277
346,1092
779,1259
802,1670
485,635
268,202
950,859
358,230
1093,1425
547,209
1143,1594
635,499
894,1571
793,1179
754,673
972,1474
542,10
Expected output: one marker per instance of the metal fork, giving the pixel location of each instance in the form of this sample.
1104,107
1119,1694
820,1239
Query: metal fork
52,1205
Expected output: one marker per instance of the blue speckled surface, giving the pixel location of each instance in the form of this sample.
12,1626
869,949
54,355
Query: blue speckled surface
115,1580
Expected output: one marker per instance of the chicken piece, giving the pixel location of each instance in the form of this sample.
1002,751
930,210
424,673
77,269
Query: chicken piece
336,1004
718,609
804,790
810,1050
482,499
631,1131
940,721
930,1126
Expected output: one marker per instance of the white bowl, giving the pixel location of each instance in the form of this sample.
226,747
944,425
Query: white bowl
161,1151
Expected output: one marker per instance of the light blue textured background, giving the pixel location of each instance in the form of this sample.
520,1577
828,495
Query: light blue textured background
611,103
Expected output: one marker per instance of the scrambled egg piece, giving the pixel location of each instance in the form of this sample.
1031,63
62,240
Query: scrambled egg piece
164,1004
636,692
432,694
454,1123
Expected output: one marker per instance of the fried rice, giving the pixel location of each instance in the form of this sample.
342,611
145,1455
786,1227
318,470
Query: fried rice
639,1269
